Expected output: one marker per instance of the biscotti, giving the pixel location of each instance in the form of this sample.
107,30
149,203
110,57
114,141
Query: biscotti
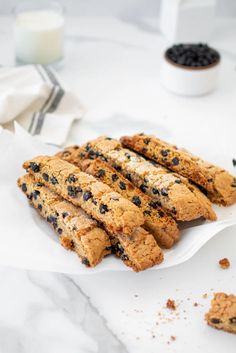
139,250
219,185
171,191
76,230
117,214
222,314
156,221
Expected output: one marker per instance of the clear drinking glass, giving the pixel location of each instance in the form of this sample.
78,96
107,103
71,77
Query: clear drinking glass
39,32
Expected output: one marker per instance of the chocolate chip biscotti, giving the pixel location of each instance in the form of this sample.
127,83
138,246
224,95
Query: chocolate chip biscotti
139,250
219,185
76,230
156,221
172,192
222,314
117,214
79,232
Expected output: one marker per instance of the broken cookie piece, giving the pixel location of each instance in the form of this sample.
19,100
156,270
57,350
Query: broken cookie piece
222,314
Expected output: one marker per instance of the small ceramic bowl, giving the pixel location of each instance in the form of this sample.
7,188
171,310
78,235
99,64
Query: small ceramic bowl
188,80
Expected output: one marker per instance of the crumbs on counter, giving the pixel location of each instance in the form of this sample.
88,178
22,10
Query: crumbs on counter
195,304
205,296
170,304
224,263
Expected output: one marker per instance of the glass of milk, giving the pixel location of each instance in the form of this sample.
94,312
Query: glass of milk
39,32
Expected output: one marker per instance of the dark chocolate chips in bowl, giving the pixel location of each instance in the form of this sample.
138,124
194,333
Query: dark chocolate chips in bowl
192,55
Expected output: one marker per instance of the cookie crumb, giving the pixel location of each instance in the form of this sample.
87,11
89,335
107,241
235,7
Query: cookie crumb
205,295
170,304
234,162
224,263
173,338
195,304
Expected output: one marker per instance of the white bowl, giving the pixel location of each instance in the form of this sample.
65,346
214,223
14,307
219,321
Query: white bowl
189,81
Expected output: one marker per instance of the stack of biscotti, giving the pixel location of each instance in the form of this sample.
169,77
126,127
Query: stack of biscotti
88,215
124,197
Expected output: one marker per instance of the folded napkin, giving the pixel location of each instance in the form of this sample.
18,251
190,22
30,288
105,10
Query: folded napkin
33,96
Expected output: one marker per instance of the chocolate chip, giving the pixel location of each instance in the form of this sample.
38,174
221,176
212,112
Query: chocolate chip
72,178
136,200
52,219
24,187
141,134
161,213
155,191
118,168
108,138
54,180
147,213
164,153
101,173
39,184
35,194
143,187
40,207
173,210
215,321
117,249
65,214
103,208
144,150
234,183
122,185
93,154
147,141
35,167
73,191
234,162
232,320
177,181
124,257
210,180
114,177
87,195
164,191
128,156
87,147
45,176
94,201
175,161
85,261
59,230
128,176
154,204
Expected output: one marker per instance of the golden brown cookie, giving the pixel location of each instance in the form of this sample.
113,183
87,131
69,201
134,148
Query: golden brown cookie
222,314
219,185
76,230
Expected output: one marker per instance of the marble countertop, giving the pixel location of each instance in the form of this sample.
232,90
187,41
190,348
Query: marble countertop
113,65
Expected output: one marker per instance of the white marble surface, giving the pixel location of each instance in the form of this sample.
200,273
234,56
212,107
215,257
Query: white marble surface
114,67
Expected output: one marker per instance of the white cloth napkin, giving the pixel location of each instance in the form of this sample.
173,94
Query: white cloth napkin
34,96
